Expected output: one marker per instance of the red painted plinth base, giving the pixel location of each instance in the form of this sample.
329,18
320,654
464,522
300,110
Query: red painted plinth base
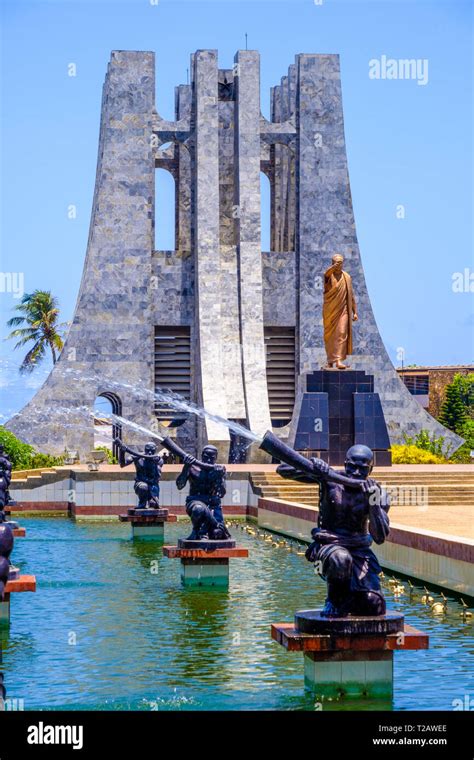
174,552
147,519
200,567
349,666
148,524
286,635
23,583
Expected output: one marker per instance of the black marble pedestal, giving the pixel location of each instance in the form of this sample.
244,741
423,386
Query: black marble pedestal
311,621
338,409
206,544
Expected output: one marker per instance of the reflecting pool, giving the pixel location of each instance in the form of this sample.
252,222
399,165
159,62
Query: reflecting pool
111,628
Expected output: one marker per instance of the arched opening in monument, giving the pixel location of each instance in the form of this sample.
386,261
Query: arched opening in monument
105,429
165,210
265,211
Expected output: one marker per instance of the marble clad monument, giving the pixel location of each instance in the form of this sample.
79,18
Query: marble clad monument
217,320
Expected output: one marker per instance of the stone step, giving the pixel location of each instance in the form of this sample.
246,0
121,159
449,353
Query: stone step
21,474
435,476
462,485
403,499
433,495
462,491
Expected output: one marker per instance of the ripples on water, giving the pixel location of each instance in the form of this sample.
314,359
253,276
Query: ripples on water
104,632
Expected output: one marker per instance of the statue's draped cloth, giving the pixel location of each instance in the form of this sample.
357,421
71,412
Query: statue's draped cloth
337,316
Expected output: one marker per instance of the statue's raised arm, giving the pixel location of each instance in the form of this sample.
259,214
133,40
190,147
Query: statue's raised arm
123,449
298,467
148,466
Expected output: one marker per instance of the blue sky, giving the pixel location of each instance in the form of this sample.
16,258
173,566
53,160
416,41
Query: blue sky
407,144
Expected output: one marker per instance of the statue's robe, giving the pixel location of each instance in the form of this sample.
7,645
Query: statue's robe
338,308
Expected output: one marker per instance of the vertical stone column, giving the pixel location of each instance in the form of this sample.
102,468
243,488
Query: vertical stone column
273,181
292,81
312,246
183,179
207,255
278,194
229,290
247,163
285,166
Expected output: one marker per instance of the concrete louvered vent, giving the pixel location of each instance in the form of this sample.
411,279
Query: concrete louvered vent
281,373
172,365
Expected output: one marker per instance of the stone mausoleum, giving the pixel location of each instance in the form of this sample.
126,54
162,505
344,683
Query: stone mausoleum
217,320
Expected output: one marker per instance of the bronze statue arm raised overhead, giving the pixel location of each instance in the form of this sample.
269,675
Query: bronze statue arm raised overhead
135,454
188,459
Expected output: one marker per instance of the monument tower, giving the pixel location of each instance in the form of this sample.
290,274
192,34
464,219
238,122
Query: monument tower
217,320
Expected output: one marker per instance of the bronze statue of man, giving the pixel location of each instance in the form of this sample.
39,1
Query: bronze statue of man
148,468
339,311
5,480
207,486
352,513
6,546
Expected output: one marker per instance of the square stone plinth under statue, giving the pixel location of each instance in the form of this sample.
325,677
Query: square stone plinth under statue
198,572
148,523
205,563
349,657
18,583
349,674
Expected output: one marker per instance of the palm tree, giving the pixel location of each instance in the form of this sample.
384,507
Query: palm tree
39,311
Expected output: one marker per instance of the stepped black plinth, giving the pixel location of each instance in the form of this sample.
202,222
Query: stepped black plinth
338,409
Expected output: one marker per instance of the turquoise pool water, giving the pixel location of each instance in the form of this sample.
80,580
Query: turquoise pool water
111,628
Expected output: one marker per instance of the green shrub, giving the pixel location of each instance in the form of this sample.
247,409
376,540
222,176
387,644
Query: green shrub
409,454
45,460
18,452
111,459
463,454
423,440
458,405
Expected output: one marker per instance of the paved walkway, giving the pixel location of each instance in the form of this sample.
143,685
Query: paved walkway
452,520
